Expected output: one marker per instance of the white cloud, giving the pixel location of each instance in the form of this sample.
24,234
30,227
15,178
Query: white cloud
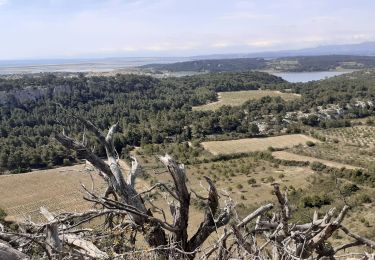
220,45
245,16
158,27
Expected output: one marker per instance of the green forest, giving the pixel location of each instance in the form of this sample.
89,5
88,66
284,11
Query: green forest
151,110
296,64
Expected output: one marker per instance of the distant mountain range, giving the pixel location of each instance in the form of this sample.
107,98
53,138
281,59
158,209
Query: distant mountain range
260,60
359,49
286,64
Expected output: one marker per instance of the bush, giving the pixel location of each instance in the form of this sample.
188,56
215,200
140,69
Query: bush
317,166
67,162
251,181
349,189
310,144
3,214
239,186
316,201
20,170
270,179
369,121
365,198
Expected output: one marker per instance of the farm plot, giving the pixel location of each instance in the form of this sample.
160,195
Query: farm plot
237,98
256,144
340,152
283,155
363,136
57,189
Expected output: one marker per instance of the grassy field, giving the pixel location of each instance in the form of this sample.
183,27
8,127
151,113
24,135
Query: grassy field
237,98
255,144
283,155
58,189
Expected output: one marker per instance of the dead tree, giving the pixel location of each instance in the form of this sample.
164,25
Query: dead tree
159,233
64,237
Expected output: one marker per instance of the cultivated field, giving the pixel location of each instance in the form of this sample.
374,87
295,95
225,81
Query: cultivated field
283,155
256,144
237,98
343,153
363,135
58,189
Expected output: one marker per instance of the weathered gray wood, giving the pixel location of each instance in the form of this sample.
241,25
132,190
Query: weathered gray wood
181,217
126,192
9,253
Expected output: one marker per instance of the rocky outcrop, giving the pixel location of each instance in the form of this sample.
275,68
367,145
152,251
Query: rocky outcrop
20,96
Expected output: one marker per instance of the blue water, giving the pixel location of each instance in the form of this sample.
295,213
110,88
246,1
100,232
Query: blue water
295,77
79,65
110,64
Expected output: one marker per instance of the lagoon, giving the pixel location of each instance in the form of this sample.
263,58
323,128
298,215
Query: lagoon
296,77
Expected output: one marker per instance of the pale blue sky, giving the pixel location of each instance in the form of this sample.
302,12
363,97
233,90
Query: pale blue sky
107,28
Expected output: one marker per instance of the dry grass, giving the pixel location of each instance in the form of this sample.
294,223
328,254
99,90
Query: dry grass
22,195
227,176
283,155
256,144
59,189
237,98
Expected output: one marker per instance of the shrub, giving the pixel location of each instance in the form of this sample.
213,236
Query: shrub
2,215
316,201
251,181
369,121
349,189
365,198
67,162
318,166
310,143
239,186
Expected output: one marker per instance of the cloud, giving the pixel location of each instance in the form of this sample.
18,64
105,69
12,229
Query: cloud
264,43
245,16
220,45
54,28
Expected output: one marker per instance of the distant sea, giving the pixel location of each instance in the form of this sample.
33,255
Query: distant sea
79,65
110,64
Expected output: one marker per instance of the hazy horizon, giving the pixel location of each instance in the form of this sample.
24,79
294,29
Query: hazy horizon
67,29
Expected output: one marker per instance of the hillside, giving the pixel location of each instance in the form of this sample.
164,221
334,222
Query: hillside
235,148
296,64
153,110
